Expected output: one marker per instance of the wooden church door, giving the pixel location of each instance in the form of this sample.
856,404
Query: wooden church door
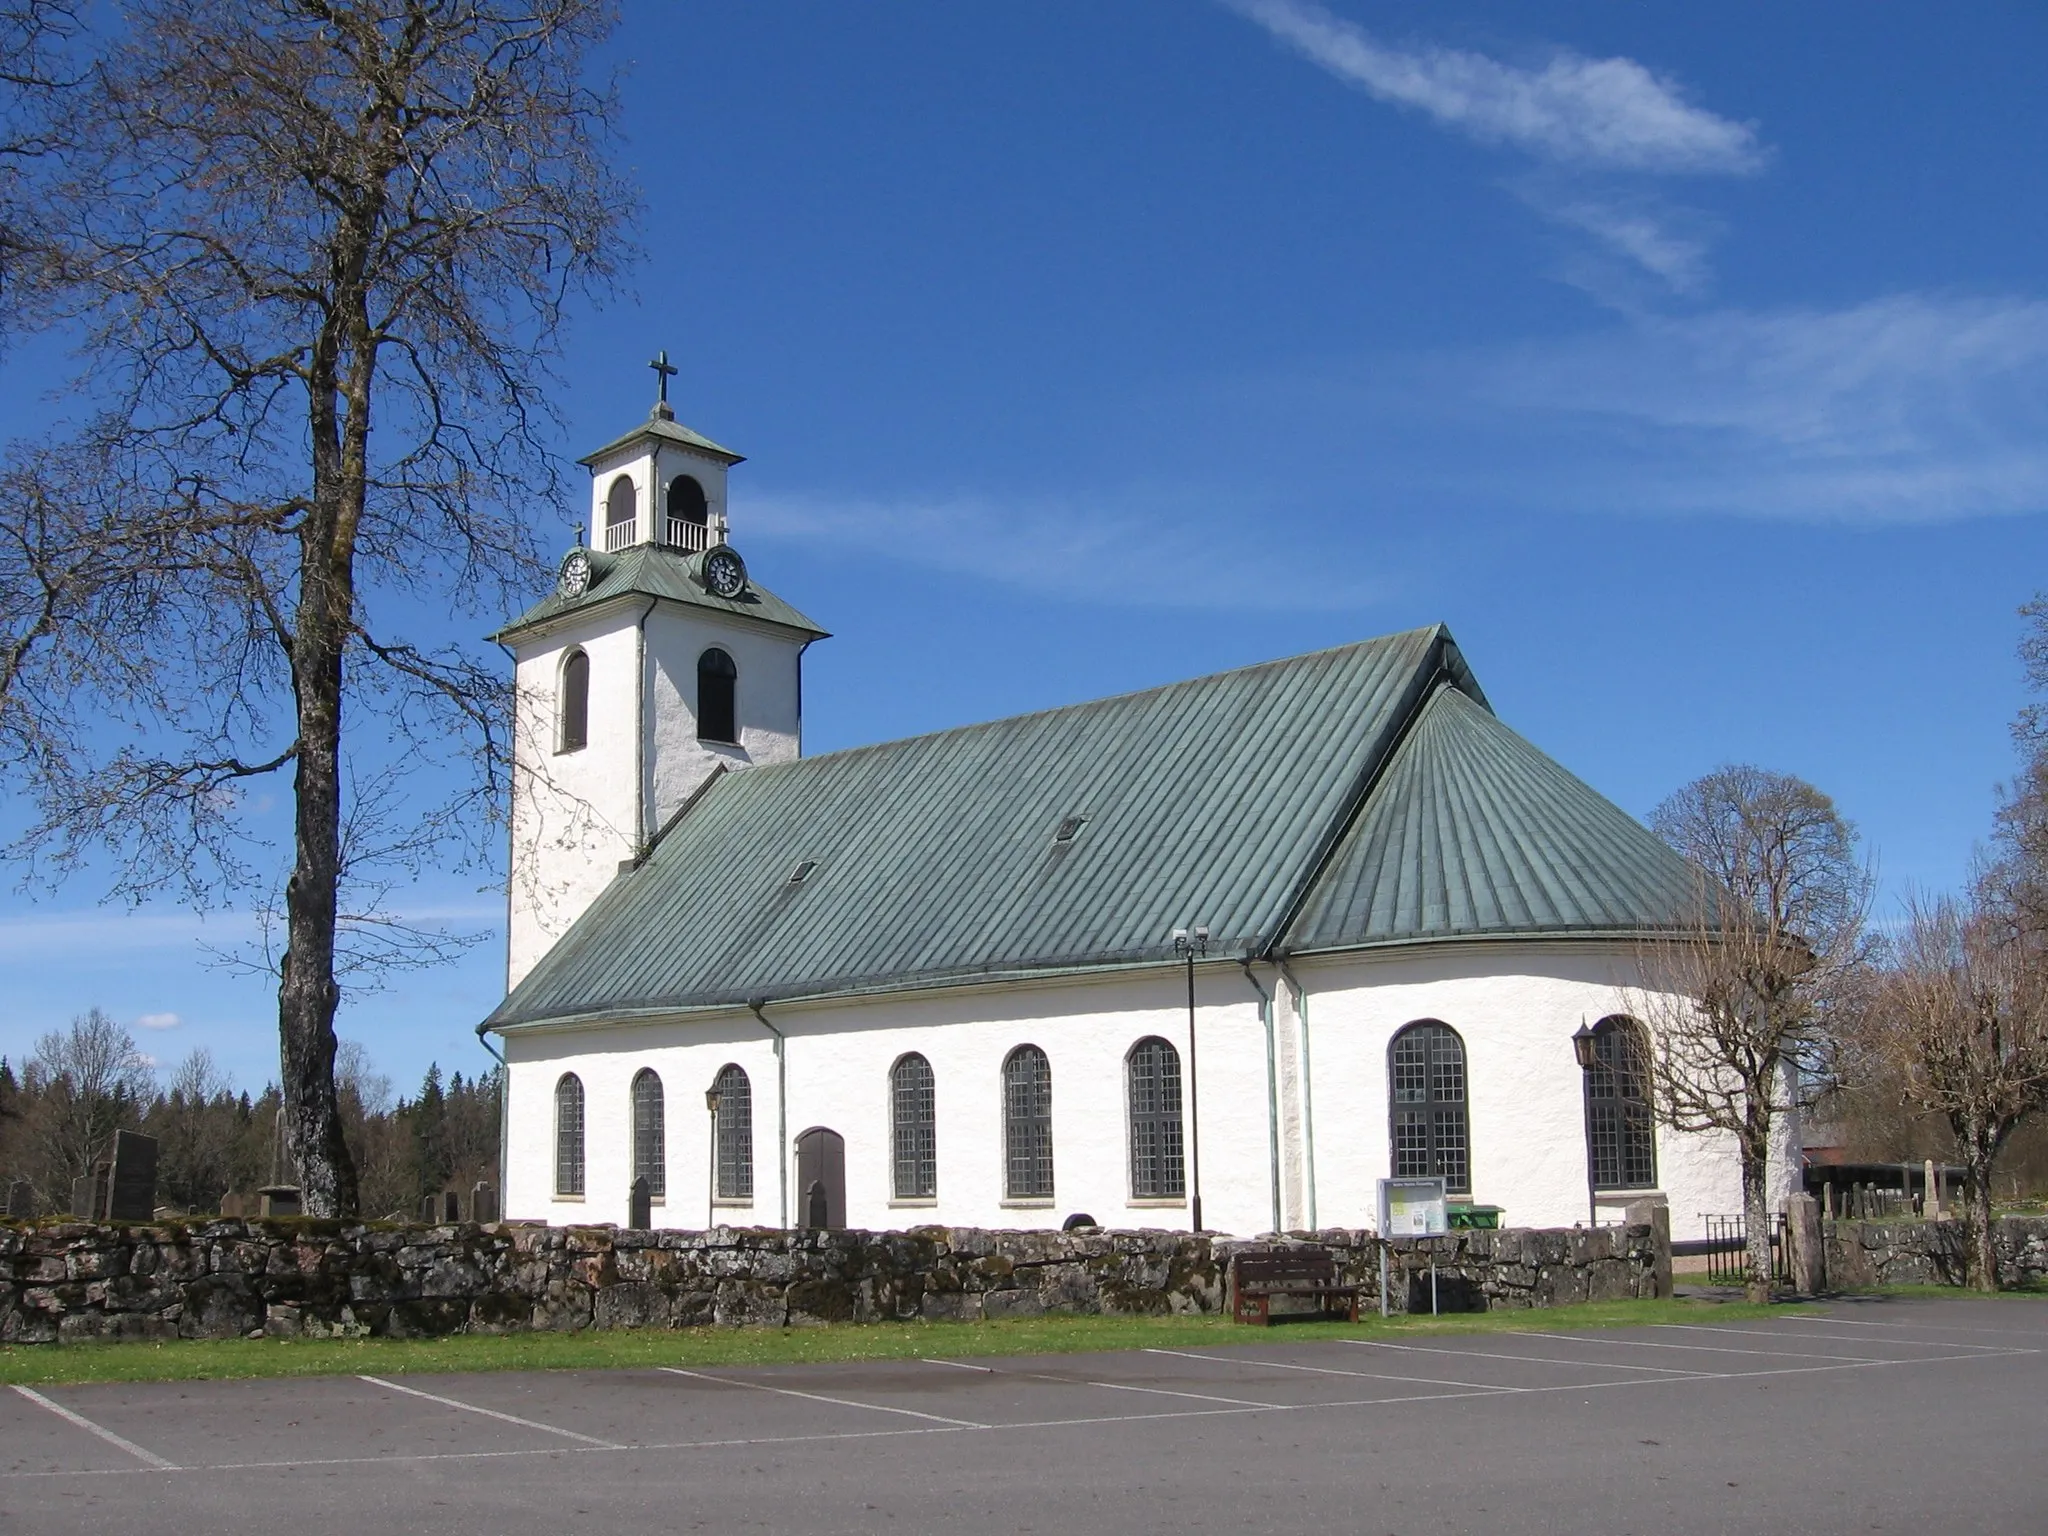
821,1178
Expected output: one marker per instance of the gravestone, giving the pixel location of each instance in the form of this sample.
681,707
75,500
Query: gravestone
21,1200
640,1206
131,1186
430,1210
483,1203
280,1200
236,1205
89,1194
451,1207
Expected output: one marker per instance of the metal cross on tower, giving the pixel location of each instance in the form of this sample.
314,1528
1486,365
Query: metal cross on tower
664,371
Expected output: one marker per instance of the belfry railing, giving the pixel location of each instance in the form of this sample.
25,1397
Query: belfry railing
684,534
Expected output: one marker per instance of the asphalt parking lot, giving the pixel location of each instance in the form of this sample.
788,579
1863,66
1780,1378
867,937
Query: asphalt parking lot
1860,1416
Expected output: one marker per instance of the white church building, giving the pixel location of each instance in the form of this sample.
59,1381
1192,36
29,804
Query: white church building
938,980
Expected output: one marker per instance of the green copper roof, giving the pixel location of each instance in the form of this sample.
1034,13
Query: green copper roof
1472,831
668,430
654,570
1357,795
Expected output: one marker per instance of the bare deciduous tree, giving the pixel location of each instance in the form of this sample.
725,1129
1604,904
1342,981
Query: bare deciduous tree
88,1081
280,221
1961,1021
1743,998
35,70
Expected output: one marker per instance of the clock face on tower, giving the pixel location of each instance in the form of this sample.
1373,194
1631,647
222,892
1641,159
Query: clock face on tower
575,577
724,572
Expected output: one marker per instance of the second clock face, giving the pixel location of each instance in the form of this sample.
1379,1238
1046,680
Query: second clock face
724,572
575,577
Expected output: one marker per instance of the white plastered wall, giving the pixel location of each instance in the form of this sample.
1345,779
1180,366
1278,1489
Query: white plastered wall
1516,1007
767,695
572,812
839,1057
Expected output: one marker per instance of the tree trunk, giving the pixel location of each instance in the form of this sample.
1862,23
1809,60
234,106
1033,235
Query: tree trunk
1756,1220
1979,1152
307,994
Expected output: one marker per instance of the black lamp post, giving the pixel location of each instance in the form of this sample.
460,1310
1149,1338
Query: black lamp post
711,1178
1586,1046
1188,943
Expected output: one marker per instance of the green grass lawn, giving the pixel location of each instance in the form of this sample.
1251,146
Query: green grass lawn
217,1359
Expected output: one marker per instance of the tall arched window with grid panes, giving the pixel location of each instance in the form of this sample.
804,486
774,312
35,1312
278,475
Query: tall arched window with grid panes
734,1139
913,1129
1027,1125
1158,1161
1426,1082
650,1159
569,1136
1621,1129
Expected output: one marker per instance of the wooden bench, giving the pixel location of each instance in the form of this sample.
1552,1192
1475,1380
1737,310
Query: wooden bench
1258,1275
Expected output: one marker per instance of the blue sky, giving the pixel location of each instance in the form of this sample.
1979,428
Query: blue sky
1690,363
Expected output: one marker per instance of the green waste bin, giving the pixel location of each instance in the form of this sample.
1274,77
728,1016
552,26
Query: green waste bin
1473,1218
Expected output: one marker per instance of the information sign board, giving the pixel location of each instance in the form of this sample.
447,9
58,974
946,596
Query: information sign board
1413,1208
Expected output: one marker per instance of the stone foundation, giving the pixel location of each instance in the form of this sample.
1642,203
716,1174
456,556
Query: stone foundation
309,1278
1862,1254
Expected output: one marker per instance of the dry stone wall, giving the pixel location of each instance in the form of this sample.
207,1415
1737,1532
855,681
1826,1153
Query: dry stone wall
301,1277
1861,1254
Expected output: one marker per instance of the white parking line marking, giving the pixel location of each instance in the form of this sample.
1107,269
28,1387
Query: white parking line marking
492,1413
1475,1393
1482,1354
1787,1333
149,1457
1330,1370
819,1397
1718,1349
1198,1397
958,1365
2004,1333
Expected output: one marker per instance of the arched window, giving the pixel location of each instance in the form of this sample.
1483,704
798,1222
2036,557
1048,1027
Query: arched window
1027,1125
619,508
913,1140
687,514
575,702
734,1133
649,1161
569,1135
717,708
1158,1165
1621,1135
1426,1065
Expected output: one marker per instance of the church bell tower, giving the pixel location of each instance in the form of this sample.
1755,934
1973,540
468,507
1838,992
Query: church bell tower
655,665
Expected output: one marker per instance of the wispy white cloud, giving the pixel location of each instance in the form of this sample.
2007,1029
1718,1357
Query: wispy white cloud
158,1021
1647,238
1911,408
1595,125
1612,114
1159,548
